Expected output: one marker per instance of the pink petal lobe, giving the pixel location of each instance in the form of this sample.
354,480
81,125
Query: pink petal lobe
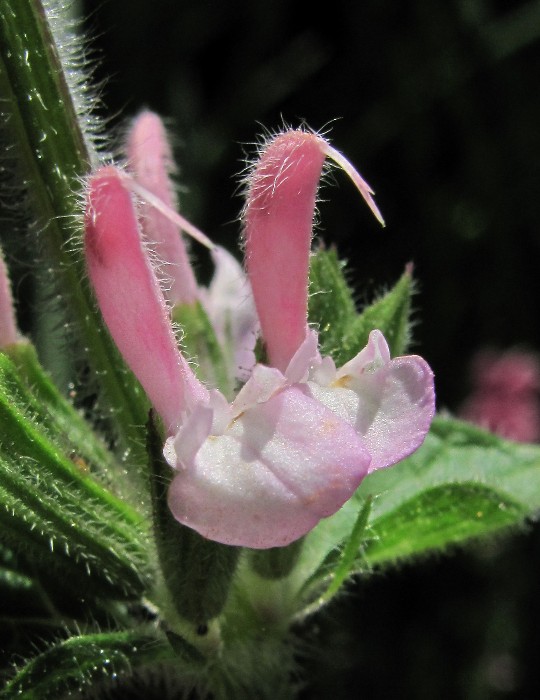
9,333
304,358
183,447
390,403
278,226
130,299
280,467
261,386
150,161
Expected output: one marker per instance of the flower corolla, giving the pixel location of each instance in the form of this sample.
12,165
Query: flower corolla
300,435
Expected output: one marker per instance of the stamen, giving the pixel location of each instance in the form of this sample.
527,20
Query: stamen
164,209
362,186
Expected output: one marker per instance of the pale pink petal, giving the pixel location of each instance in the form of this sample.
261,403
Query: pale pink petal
390,403
149,159
9,333
263,384
281,467
183,447
221,410
130,299
304,358
376,354
324,372
228,301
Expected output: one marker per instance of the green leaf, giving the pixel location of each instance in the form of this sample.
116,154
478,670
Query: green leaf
54,515
438,517
331,305
44,130
390,314
455,451
57,414
342,331
461,484
65,425
81,662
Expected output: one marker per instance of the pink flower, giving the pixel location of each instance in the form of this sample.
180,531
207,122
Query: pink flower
280,202
228,301
300,436
149,159
390,403
260,472
505,397
131,300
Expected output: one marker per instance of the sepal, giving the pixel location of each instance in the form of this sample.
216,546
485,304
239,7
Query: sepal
331,304
339,564
342,330
200,343
390,314
54,514
276,562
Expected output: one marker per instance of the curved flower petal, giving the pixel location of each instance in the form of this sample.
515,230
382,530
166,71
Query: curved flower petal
389,402
279,468
150,160
304,358
278,227
261,386
192,434
131,300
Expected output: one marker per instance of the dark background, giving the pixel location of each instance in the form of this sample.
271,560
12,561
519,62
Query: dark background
437,102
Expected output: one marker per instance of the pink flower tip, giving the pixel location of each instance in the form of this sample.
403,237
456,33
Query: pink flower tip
9,333
278,225
149,159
